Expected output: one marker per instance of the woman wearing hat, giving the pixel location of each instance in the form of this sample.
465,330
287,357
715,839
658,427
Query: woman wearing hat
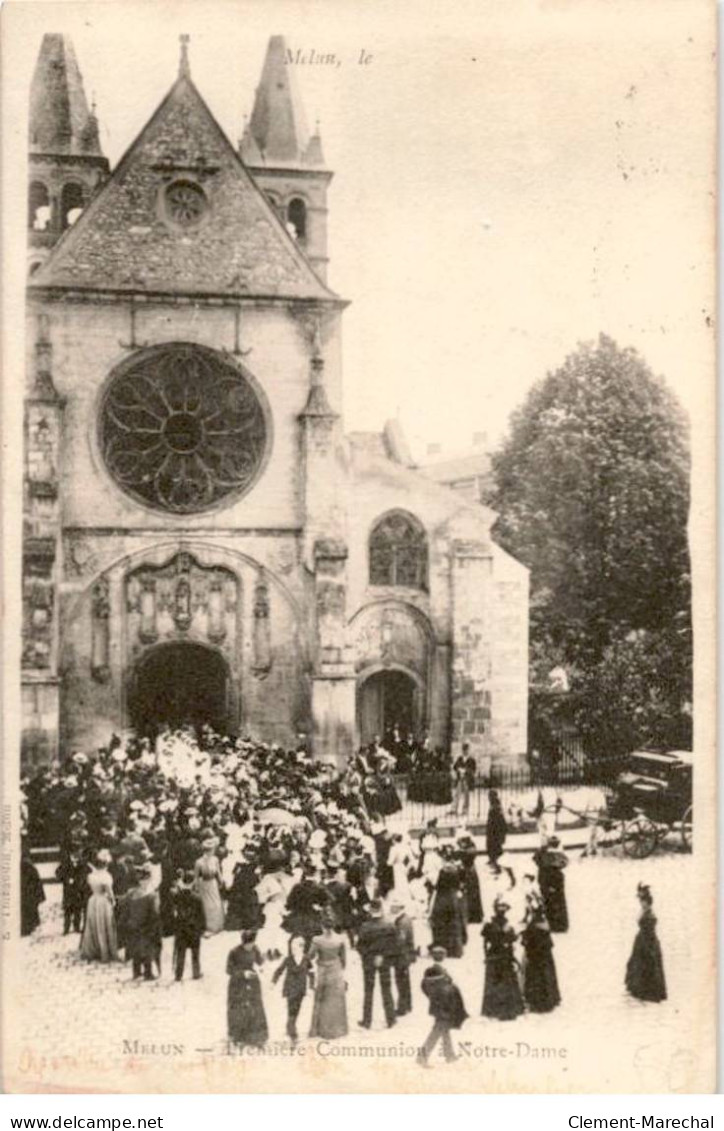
99,942
329,954
501,997
467,853
246,1019
207,873
447,914
645,968
540,984
551,861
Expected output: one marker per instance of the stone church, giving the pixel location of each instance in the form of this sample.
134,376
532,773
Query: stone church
203,541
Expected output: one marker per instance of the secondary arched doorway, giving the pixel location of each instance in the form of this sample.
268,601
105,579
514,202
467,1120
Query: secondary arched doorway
177,684
386,700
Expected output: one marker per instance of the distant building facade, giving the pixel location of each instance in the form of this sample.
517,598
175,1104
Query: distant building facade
202,540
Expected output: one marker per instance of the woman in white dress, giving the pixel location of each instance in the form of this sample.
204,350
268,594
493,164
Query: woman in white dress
99,941
207,877
272,891
399,861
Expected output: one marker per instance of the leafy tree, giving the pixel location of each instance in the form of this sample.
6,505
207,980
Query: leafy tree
592,490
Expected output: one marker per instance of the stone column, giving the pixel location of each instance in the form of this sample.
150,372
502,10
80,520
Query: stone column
325,555
41,541
471,659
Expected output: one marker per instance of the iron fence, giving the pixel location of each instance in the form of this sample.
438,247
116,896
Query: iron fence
436,794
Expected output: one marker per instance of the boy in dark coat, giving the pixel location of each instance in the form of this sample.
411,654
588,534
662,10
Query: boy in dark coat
189,925
446,1006
296,969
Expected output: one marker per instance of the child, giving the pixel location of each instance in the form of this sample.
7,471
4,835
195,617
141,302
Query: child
296,969
446,1006
73,873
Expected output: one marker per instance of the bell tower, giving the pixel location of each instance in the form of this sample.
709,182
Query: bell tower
66,164
285,161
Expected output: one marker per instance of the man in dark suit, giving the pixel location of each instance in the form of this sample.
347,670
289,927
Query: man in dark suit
377,945
405,955
142,925
189,925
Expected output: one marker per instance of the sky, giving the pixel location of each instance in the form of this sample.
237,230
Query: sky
510,177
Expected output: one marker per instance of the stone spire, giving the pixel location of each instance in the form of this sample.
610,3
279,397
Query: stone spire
278,125
184,67
286,163
60,121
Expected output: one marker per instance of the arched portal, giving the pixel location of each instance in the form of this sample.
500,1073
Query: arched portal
385,700
180,683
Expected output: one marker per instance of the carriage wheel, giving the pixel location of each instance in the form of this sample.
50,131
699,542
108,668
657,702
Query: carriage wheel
639,837
686,828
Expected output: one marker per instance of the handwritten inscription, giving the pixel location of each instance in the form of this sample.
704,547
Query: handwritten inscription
314,58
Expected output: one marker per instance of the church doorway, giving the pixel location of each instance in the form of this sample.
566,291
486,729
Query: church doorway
385,700
177,684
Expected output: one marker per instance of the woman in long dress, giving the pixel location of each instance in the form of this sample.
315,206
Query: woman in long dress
496,829
399,861
467,855
540,983
207,876
272,892
246,1019
502,998
551,861
447,915
99,941
645,978
329,954
243,912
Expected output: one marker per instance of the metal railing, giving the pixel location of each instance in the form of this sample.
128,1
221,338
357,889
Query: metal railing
436,794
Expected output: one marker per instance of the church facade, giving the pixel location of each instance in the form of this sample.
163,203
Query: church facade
203,542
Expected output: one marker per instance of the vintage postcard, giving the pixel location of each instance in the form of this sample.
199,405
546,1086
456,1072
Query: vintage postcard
358,547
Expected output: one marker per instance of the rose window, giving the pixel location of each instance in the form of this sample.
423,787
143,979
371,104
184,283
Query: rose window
185,203
181,428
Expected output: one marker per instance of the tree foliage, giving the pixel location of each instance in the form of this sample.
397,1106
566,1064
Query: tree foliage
592,491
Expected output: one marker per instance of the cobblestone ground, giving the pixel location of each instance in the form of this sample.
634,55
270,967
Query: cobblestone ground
77,1014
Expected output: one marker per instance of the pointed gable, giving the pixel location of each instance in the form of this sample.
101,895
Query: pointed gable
181,215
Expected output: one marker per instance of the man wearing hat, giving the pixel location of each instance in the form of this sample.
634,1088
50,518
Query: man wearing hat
405,954
189,924
377,945
142,925
446,1006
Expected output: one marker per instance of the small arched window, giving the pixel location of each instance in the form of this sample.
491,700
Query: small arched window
38,207
297,219
72,203
398,552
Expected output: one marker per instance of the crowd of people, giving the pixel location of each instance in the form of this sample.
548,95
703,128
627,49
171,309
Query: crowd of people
199,834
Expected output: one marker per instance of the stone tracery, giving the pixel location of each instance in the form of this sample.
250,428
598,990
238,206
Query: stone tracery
181,429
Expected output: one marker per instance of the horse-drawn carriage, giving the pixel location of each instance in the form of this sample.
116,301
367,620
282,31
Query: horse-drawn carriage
652,797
